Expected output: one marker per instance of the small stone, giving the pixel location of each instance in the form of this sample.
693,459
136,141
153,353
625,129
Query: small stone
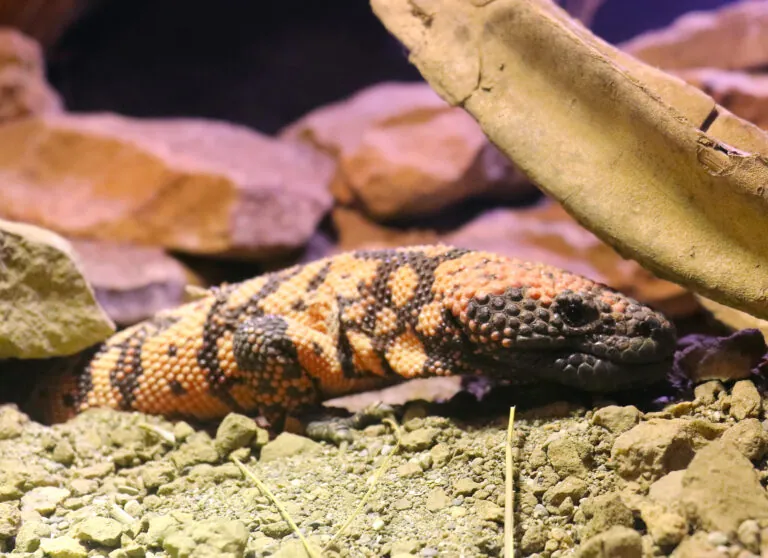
748,534
29,535
157,473
378,524
235,431
437,500
489,511
216,537
63,547
708,392
606,511
420,439
193,453
409,469
666,529
570,456
287,444
182,430
276,530
44,499
617,419
697,546
10,518
441,454
718,538
749,437
745,400
12,422
721,489
157,528
64,453
534,539
465,487
97,470
570,487
405,547
615,542
100,530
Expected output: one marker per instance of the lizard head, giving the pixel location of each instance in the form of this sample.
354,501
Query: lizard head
539,321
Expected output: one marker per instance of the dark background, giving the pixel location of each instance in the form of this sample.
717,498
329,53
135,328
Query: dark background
260,63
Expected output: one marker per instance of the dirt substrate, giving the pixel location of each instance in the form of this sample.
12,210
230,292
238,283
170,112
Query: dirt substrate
611,481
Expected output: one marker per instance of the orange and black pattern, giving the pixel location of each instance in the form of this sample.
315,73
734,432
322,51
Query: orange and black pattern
362,320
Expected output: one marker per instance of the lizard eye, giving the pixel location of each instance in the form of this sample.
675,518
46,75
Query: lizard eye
575,311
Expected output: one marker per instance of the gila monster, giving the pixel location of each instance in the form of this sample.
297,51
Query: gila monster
366,319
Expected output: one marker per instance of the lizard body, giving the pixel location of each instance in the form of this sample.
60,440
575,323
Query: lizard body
362,320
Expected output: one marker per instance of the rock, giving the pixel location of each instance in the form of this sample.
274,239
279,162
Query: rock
659,446
534,539
666,529
29,535
44,499
570,456
420,439
489,511
748,534
702,357
698,546
745,400
570,487
546,233
101,531
708,392
48,308
23,88
62,547
437,499
466,487
194,453
63,453
402,151
10,519
749,437
133,282
12,422
192,185
735,36
617,541
158,527
668,489
604,512
287,445
216,537
721,489
616,419
235,431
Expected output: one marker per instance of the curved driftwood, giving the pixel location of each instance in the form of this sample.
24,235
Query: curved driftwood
650,164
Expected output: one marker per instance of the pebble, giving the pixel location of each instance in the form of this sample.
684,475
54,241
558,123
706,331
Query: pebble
236,431
63,547
44,499
745,400
749,437
214,537
437,499
64,453
29,535
12,422
569,455
10,518
157,473
616,541
100,530
287,444
616,419
194,453
489,511
409,469
606,511
420,439
748,534
570,487
534,539
465,487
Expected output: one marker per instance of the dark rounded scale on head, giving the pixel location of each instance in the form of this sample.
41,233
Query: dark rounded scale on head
575,311
483,299
514,294
648,326
512,310
529,305
497,303
526,317
539,327
483,314
499,322
542,314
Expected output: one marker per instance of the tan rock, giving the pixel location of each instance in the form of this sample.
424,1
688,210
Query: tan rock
616,541
133,282
745,400
47,306
23,88
403,151
654,448
749,437
192,185
721,489
735,36
742,93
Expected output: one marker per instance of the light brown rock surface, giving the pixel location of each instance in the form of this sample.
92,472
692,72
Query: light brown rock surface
23,88
133,282
735,36
47,306
403,151
193,185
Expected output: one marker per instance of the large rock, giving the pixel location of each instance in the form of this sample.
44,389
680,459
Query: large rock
403,151
47,306
735,36
23,88
192,185
133,282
